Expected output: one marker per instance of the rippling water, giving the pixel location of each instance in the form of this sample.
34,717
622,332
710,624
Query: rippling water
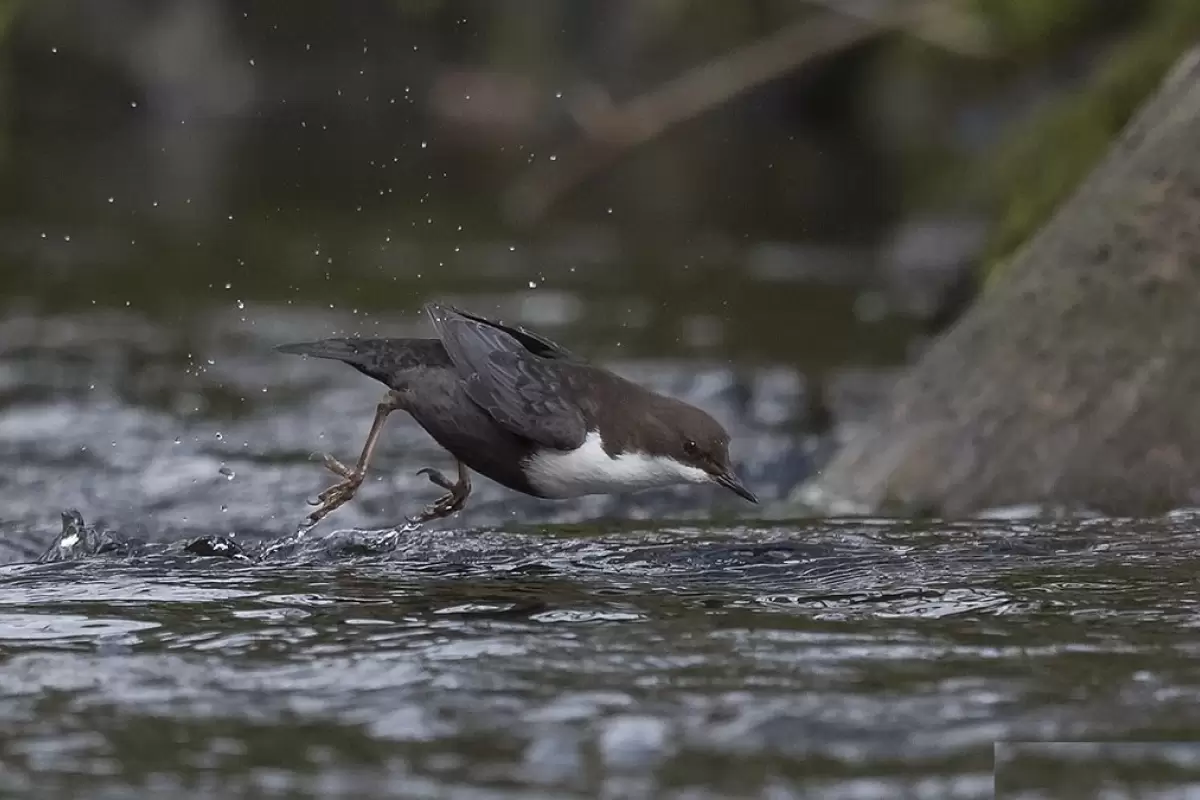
865,658
668,645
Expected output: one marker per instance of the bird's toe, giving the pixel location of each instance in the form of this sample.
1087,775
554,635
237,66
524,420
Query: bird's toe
335,466
436,478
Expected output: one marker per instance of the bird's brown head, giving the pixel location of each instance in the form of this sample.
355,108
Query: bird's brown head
700,441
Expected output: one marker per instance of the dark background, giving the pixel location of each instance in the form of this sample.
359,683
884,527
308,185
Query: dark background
373,156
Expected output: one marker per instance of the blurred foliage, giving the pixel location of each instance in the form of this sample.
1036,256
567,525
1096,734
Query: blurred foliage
894,114
8,11
1036,28
1046,158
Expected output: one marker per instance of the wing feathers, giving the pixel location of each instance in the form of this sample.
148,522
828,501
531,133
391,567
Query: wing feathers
521,391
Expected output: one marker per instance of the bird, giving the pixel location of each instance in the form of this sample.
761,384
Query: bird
515,407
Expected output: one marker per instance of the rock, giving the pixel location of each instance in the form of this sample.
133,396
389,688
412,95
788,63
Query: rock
1074,378
216,547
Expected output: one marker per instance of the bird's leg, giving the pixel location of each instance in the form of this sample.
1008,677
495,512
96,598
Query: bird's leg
454,499
352,477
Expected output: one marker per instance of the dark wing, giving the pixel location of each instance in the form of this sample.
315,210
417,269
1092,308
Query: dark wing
534,343
518,389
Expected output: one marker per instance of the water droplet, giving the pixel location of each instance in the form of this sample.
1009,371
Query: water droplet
533,284
178,440
228,473
241,304
220,436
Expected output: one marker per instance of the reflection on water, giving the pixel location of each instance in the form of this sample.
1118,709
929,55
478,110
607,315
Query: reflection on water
839,659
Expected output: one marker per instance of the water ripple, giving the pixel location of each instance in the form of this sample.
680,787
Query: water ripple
667,656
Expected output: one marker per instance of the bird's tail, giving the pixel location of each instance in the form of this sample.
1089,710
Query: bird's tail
376,358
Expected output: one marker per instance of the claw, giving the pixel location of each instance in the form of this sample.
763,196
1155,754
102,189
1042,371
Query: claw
449,503
337,495
349,485
437,478
444,506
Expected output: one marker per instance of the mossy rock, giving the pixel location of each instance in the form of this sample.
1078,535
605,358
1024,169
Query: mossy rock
1048,157
1072,381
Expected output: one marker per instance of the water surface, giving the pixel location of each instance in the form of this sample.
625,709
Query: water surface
847,658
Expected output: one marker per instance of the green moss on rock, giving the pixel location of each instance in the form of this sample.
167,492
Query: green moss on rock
1026,27
1050,155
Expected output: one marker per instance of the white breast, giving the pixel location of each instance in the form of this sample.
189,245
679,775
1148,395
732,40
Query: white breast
590,470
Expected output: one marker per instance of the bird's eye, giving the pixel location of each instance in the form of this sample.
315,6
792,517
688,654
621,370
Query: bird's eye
690,448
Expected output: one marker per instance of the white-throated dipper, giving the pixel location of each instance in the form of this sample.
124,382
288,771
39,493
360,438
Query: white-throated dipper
518,408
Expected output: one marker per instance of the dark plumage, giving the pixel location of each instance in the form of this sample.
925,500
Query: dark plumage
525,412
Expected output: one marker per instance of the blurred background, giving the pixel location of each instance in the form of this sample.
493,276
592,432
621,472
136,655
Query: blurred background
774,202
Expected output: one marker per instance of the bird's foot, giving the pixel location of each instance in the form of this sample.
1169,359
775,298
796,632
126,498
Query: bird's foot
338,494
454,499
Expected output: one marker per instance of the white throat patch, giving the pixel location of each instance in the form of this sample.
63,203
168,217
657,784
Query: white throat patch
590,470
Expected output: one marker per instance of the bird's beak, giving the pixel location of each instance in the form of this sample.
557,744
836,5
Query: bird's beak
731,482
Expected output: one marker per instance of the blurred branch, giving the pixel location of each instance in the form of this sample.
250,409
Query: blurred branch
611,131
946,24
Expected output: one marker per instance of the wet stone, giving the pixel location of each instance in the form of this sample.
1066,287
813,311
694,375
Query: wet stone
215,547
